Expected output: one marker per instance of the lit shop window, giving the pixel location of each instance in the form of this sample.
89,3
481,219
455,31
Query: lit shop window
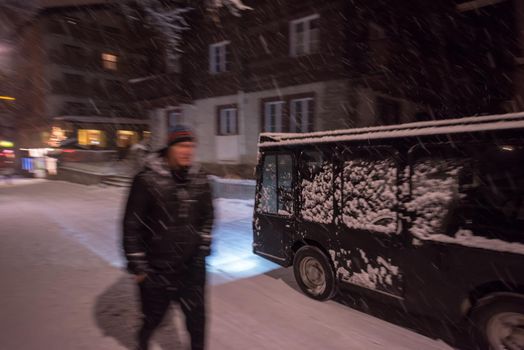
91,138
126,138
109,61
57,135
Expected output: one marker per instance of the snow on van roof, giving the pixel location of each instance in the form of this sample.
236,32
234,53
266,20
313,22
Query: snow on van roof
447,126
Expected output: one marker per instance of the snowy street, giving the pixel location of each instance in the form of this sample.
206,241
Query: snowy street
63,286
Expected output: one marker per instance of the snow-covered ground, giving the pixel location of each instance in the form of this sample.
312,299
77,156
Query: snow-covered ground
63,287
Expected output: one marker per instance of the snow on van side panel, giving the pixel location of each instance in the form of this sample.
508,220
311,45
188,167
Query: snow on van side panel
373,273
317,197
369,195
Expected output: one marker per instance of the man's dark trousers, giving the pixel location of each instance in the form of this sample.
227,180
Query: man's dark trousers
157,292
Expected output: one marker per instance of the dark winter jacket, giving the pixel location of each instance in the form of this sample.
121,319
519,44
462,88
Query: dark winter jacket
168,219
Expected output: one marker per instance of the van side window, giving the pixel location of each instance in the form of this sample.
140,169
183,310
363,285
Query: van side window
268,194
285,182
316,187
497,199
435,197
276,195
369,191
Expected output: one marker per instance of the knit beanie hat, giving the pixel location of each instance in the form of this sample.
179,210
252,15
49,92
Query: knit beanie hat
179,133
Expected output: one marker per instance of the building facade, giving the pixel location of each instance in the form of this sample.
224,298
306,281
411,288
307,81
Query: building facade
282,68
74,67
7,119
303,66
285,66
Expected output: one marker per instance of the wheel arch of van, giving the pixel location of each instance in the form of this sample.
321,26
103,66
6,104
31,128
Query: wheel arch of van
485,292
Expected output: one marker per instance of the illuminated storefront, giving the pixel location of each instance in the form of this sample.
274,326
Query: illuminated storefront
90,137
36,162
57,135
126,138
97,133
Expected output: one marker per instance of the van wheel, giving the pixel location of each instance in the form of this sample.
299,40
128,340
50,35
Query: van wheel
499,325
314,274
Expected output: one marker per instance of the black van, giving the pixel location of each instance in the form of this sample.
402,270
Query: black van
428,216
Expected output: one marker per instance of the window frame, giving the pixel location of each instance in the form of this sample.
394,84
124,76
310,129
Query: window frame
286,111
292,187
219,122
435,151
307,41
473,155
279,119
169,113
218,61
451,150
109,61
309,109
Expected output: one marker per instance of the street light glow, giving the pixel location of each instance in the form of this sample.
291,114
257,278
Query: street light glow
8,98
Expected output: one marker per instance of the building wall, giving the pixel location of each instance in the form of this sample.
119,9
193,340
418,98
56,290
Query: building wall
44,92
158,124
201,115
92,37
259,48
7,108
31,121
253,112
338,107
336,104
518,101
371,61
266,44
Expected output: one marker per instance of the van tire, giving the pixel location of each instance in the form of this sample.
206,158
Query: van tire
314,273
493,319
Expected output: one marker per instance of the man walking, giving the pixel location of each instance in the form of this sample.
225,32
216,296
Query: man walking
167,235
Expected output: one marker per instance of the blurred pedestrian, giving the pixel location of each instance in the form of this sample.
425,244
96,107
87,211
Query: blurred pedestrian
167,235
7,170
138,153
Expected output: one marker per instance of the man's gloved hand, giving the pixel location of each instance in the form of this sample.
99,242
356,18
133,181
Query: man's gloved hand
204,250
140,278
